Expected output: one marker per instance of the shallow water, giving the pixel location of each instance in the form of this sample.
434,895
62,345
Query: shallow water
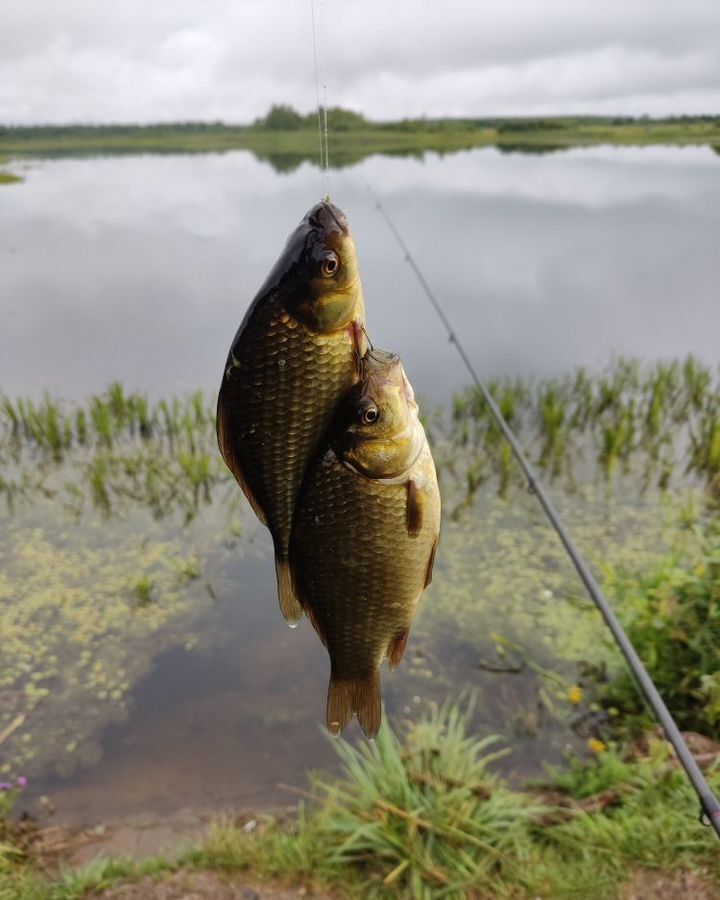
139,269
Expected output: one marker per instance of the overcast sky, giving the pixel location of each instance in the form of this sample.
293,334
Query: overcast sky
152,60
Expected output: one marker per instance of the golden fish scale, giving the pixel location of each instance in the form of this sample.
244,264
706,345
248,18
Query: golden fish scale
286,387
358,568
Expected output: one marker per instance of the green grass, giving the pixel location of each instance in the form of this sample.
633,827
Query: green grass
9,178
423,815
671,612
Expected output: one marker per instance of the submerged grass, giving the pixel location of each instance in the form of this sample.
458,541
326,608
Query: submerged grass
663,419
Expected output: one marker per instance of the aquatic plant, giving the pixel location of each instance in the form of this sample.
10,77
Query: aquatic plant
648,417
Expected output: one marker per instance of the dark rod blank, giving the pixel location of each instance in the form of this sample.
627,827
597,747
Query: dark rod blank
708,801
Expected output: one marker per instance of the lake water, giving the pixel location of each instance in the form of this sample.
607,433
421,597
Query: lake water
139,269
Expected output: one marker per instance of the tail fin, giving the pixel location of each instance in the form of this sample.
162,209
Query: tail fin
361,697
289,604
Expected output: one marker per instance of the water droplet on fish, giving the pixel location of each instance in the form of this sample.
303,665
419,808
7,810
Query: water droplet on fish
281,363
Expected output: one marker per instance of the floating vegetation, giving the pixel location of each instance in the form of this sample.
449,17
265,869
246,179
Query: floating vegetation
83,617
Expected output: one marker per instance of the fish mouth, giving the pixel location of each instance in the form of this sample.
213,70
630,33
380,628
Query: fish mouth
328,217
379,363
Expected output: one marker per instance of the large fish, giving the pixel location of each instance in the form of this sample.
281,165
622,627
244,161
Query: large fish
364,538
293,360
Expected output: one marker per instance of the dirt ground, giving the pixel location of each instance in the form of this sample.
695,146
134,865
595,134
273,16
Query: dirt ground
647,885
211,886
207,886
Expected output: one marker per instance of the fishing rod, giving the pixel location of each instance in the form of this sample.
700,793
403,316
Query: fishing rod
710,806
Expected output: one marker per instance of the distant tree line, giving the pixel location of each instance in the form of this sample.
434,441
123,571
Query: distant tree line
76,130
282,117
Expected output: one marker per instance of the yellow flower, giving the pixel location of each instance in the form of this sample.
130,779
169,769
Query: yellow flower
575,694
596,745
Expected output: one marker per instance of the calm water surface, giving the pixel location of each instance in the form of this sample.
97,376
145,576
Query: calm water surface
140,269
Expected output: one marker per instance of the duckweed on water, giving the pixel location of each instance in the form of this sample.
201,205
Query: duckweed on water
81,623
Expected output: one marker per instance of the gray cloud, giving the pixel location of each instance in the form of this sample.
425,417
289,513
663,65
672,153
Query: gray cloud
186,59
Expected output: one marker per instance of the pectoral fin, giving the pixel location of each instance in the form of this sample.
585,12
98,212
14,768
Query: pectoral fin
225,443
416,500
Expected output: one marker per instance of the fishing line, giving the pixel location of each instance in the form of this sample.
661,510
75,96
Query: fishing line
318,34
710,806
317,81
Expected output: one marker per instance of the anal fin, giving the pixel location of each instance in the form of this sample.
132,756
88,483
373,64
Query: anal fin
289,604
314,621
396,648
360,697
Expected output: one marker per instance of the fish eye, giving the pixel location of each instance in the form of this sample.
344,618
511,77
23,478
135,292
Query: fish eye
330,264
369,414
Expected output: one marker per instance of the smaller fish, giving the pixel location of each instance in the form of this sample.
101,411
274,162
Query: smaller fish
364,537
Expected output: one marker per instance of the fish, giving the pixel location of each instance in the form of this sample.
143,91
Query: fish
291,364
364,537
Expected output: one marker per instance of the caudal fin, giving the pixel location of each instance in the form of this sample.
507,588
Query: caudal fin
361,697
289,604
